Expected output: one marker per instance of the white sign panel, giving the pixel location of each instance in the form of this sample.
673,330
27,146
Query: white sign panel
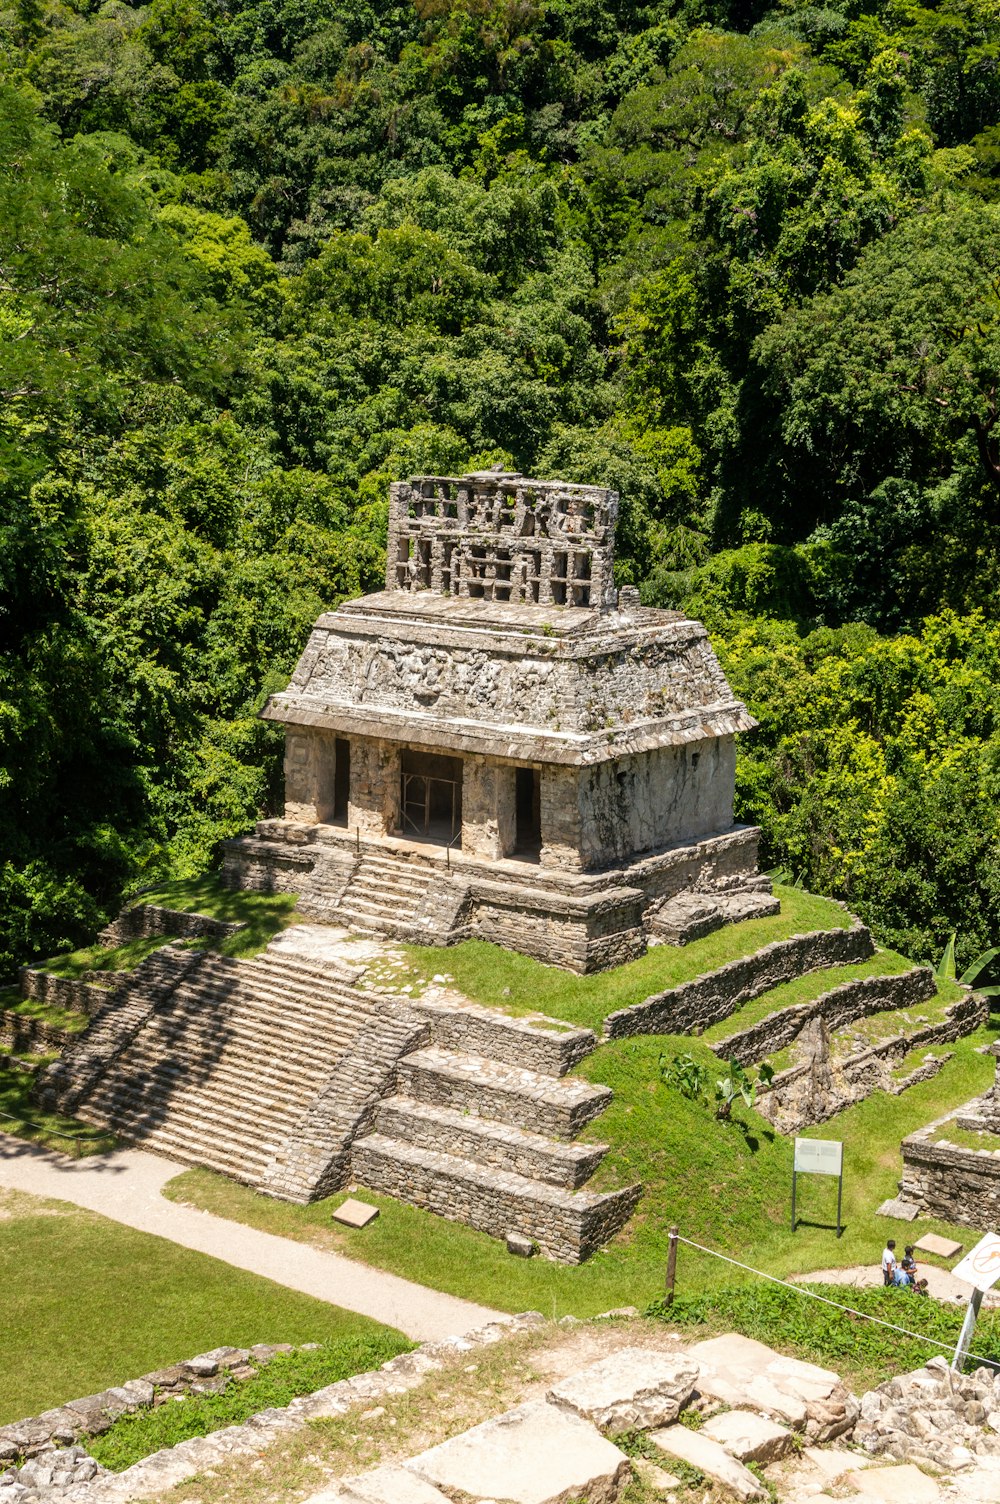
981,1265
819,1156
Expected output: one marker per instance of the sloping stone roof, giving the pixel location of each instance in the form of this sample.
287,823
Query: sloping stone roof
534,683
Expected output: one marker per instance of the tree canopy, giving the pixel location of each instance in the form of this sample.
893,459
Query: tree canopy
739,260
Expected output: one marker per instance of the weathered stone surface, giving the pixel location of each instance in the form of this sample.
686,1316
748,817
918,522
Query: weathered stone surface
747,1436
656,1478
634,1389
710,1458
747,1374
519,1245
894,1485
945,1248
902,1211
390,1485
355,1213
535,1454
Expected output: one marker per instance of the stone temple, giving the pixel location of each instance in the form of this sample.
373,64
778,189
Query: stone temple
501,745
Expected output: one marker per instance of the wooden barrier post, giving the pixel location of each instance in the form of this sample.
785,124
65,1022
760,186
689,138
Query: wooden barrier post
671,1265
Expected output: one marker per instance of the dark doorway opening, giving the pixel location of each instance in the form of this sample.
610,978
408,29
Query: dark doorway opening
527,814
341,779
431,798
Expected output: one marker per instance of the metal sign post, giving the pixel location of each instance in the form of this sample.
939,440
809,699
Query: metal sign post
981,1269
819,1156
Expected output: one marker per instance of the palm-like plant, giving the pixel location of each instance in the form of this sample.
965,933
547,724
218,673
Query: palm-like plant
945,969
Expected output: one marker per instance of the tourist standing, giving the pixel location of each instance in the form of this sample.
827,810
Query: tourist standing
888,1261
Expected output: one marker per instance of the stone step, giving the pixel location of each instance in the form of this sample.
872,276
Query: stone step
301,966
245,1034
566,1225
486,1142
508,1094
544,1044
286,985
197,1010
197,1128
286,1008
226,1101
200,1145
240,1073
379,904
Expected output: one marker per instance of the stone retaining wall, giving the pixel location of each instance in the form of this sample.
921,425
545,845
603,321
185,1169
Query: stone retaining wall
86,993
869,1070
710,998
97,1413
956,1184
568,1226
540,1044
146,921
842,1005
166,1469
23,1036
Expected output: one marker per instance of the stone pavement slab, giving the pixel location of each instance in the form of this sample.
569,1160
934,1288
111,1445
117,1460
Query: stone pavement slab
390,1485
749,1375
710,1458
894,1485
535,1454
945,1248
633,1390
126,1186
355,1213
903,1211
656,1477
749,1437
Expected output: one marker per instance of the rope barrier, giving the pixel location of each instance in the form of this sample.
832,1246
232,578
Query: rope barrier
80,1138
825,1300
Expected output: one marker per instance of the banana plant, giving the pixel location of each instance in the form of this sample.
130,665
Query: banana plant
739,1082
945,969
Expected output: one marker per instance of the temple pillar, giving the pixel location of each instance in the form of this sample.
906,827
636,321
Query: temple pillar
373,804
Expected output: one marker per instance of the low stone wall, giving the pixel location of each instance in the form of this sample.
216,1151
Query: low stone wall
147,921
568,1226
86,993
265,866
950,1182
97,1413
581,935
24,1036
166,1469
539,1044
869,1070
842,1005
710,998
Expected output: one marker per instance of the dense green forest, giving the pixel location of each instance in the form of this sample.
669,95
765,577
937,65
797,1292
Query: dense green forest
741,261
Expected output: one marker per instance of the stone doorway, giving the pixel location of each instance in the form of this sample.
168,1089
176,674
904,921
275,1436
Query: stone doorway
430,799
527,814
341,779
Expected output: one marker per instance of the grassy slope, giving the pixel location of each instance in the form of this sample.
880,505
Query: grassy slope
725,1188
502,979
88,1303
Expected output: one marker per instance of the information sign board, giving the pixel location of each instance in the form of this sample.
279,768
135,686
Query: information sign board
981,1265
819,1156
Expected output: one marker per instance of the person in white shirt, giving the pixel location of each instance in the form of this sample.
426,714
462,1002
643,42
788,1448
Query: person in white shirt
888,1261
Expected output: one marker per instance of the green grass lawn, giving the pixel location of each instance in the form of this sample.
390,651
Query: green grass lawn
726,1187
88,1303
502,979
21,1117
264,914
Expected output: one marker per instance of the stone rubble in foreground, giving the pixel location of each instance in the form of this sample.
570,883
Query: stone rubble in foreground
756,1424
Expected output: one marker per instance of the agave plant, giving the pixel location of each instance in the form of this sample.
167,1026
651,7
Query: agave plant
945,969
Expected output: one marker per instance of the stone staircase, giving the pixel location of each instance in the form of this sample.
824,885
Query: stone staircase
383,893
224,1064
281,1073
485,1139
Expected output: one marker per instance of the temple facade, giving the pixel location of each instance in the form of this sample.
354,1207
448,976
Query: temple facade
500,744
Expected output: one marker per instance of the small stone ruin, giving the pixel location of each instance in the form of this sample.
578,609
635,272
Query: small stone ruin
502,745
